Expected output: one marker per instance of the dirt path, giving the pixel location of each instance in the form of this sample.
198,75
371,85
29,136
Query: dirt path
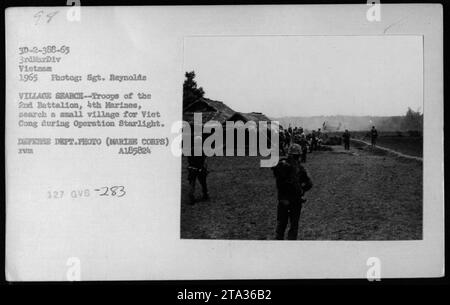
357,195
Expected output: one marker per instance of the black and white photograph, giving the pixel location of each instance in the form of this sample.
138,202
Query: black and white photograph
349,112
199,143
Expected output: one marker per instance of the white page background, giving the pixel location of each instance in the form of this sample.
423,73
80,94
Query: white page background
137,237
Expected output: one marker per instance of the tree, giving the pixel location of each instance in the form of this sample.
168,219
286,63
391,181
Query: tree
190,91
413,121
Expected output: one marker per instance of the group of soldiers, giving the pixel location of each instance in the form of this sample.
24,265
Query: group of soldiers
308,142
292,179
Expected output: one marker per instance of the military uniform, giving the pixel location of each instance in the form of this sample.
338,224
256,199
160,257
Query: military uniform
287,141
346,137
374,136
282,143
197,170
313,145
304,145
292,182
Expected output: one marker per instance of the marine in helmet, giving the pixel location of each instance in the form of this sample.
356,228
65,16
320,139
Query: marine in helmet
292,182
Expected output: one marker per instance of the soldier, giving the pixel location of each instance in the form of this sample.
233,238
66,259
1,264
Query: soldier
304,145
346,138
197,169
282,142
319,138
313,145
374,135
292,182
287,137
296,138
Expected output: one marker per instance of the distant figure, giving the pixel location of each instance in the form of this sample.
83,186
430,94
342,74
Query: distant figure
282,143
296,138
346,138
287,137
313,145
197,169
318,139
373,135
304,145
292,182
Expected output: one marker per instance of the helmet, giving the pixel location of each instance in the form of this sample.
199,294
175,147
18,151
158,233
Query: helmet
295,149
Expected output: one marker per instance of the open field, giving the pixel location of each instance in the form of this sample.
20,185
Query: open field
357,195
401,142
407,145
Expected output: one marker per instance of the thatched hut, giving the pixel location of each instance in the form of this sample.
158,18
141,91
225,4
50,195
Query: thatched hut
219,112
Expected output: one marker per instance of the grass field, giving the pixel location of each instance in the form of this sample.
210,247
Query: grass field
401,142
357,195
407,145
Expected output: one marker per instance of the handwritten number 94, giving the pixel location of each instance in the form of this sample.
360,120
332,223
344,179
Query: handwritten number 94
115,191
41,14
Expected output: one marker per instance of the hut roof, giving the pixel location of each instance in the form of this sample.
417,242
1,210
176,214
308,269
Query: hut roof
255,116
210,109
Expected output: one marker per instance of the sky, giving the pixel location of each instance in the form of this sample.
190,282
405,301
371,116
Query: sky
310,75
